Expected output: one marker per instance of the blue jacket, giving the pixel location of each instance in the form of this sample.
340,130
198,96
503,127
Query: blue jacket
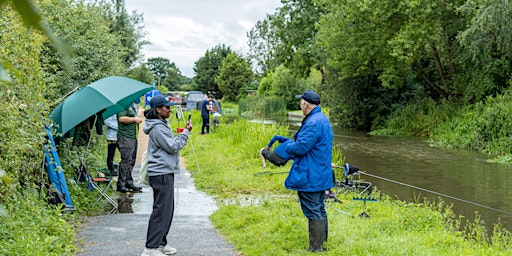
312,153
281,148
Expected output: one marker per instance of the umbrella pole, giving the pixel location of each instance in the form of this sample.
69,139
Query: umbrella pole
90,137
65,96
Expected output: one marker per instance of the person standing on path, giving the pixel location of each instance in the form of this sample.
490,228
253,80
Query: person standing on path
311,173
206,109
163,163
128,127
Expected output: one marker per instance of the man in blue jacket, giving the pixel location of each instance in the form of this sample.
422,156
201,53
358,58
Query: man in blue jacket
311,173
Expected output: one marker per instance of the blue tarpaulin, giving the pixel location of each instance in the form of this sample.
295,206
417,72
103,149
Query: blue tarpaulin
54,169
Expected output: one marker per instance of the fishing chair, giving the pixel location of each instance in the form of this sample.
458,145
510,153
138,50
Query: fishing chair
100,184
352,181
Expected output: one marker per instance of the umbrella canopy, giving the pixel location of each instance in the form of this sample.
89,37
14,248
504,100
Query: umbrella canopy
108,95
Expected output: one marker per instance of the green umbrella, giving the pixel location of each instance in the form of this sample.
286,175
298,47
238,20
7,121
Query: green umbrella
108,95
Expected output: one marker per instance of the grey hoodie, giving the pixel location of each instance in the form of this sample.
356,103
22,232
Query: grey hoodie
163,147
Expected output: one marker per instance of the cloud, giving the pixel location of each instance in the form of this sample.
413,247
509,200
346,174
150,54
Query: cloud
182,31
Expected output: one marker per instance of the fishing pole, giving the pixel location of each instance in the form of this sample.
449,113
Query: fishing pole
434,192
179,113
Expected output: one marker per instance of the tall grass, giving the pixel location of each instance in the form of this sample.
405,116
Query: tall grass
418,119
486,127
263,106
260,217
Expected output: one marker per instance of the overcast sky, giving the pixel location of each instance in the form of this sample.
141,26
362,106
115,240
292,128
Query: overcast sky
182,30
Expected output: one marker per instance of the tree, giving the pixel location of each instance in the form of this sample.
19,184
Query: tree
160,66
207,68
173,79
97,52
142,73
287,37
286,86
487,42
234,73
129,28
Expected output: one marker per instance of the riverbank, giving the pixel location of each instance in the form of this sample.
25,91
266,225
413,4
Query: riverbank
269,220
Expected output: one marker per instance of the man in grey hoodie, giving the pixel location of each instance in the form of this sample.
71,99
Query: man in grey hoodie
163,163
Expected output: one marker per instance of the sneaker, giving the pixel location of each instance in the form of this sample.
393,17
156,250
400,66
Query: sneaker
167,250
152,252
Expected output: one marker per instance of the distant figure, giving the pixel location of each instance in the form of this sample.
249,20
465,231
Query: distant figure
206,109
278,157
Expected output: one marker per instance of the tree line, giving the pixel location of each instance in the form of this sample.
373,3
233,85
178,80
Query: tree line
376,57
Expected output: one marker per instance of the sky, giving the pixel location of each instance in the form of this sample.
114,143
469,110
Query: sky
183,30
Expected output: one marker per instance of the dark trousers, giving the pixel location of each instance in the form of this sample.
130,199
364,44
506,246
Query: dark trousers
111,152
206,124
163,210
312,204
126,148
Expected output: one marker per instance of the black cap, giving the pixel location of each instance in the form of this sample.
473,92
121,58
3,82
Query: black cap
310,96
160,100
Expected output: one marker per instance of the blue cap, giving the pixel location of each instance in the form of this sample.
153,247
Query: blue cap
160,100
310,96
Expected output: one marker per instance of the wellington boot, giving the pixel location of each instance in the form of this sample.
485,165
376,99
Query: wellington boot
316,235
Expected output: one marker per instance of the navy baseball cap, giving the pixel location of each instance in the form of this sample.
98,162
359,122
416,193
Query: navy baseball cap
160,100
310,96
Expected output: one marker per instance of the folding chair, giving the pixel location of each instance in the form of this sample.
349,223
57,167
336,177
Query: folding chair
94,184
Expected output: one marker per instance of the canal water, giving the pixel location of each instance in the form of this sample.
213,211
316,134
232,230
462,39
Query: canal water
465,175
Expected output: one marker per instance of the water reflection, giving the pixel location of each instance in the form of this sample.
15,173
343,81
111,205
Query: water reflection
124,202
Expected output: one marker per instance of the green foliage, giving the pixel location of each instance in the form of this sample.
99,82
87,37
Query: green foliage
419,119
262,106
286,37
234,73
31,223
207,68
98,52
38,77
485,127
487,44
286,86
22,104
165,71
142,73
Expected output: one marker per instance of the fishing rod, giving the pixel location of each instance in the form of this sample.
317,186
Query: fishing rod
179,113
436,193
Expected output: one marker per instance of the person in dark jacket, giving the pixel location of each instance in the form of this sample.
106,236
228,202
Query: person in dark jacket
278,157
163,163
311,173
206,109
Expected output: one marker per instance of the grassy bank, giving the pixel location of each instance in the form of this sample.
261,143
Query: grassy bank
483,126
258,215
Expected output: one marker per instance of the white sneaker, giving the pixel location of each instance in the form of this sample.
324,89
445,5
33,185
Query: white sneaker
167,250
152,252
